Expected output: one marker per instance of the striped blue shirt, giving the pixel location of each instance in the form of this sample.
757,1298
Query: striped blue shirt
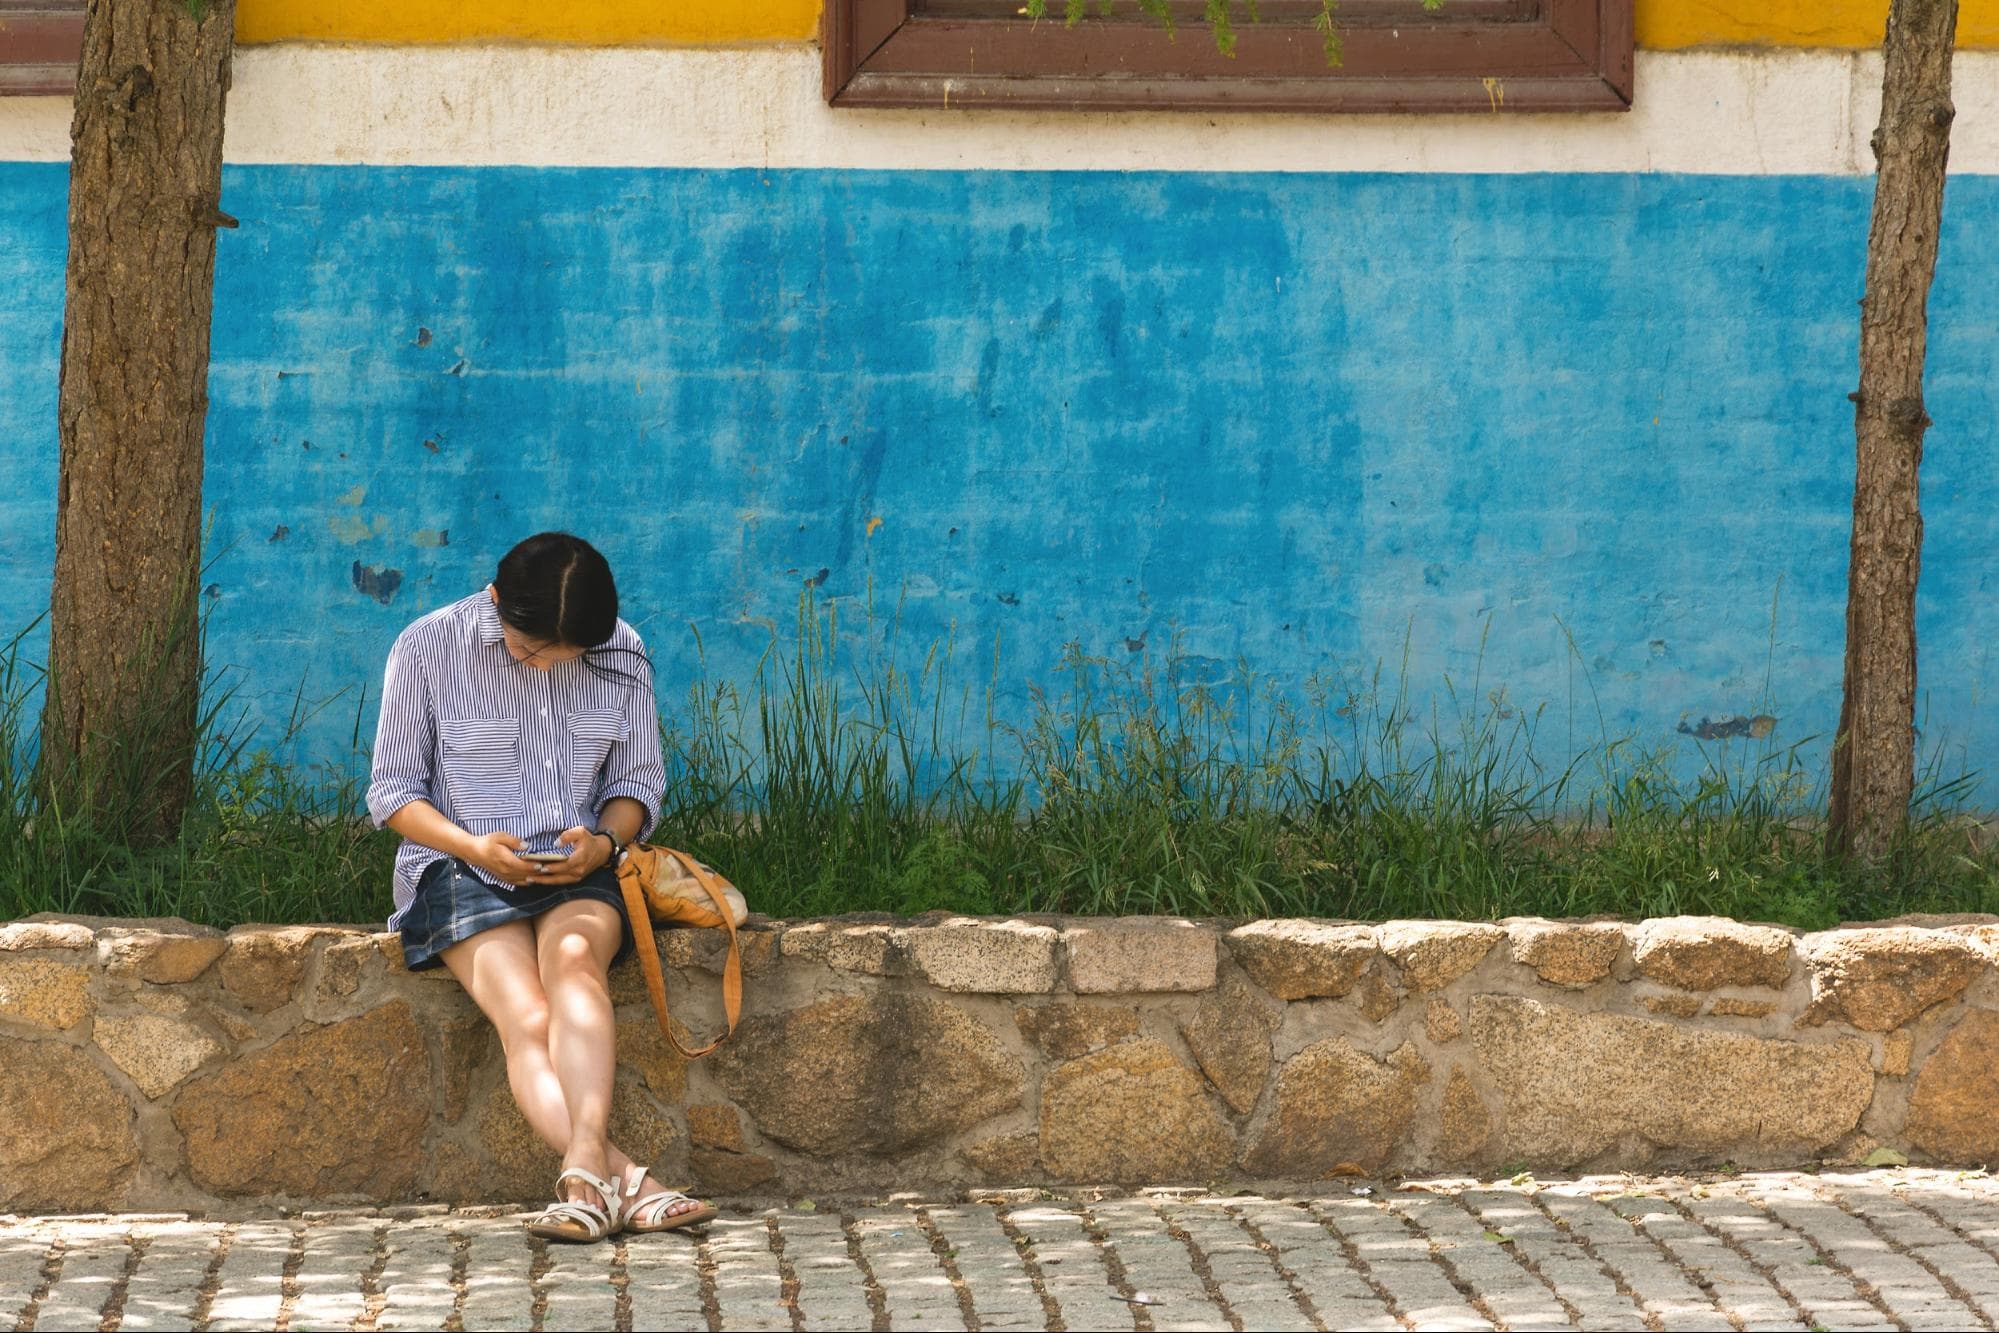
497,745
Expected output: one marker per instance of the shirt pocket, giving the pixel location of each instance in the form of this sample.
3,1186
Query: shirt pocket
482,767
591,735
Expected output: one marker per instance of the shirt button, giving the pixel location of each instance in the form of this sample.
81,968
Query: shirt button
548,763
544,712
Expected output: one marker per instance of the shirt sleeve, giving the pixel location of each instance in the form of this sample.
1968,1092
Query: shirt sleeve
405,737
634,767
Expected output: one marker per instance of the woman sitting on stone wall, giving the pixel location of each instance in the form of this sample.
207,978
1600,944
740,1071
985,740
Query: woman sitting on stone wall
517,754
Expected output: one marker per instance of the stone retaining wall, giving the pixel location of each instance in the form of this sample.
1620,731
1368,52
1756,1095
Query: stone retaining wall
156,1064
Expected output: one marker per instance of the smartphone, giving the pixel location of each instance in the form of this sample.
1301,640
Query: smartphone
545,858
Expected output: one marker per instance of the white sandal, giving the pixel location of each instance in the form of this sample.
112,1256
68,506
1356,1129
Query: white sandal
575,1221
632,1208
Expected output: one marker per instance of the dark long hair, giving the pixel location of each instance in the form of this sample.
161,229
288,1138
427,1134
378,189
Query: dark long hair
556,588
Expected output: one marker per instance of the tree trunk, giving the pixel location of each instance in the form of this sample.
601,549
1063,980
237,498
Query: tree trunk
1873,759
145,183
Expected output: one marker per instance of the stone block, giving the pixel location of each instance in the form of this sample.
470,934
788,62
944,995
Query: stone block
463,1046
326,1111
1433,954
1066,1029
1139,955
264,964
985,957
1338,1105
1441,1023
643,1050
69,1139
1005,1159
343,965
1878,979
1896,1048
1466,1125
44,993
1954,1107
1230,1038
1576,1085
1131,1114
1571,954
730,1173
1378,999
156,1052
1674,1004
1300,960
866,949
158,956
22,936
1735,1006
877,1074
715,1125
1699,953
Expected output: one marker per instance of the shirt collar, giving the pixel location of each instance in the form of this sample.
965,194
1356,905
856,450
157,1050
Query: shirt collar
488,618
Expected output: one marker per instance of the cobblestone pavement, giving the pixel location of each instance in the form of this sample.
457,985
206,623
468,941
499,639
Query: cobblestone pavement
1901,1249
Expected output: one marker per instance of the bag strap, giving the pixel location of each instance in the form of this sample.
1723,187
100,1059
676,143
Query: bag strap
648,951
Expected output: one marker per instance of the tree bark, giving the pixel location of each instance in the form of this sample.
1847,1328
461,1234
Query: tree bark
1873,760
118,723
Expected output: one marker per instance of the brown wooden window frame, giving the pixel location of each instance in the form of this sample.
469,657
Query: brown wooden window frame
39,42
1469,55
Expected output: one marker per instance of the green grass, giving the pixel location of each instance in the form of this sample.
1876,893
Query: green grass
832,780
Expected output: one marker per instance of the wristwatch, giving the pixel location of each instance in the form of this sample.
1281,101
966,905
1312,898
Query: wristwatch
617,845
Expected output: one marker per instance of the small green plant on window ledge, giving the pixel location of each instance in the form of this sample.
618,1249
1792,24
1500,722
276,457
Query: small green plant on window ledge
1219,17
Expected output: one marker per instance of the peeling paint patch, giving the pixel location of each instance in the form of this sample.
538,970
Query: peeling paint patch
279,533
433,443
422,336
353,497
1136,645
819,579
431,537
458,369
1729,725
874,523
1007,598
348,528
380,584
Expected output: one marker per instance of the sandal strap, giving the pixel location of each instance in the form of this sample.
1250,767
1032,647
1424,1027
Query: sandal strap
657,1203
588,1216
607,1190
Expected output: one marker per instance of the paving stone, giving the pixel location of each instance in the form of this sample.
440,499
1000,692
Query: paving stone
415,1281
250,1289
577,1287
831,1296
1247,1277
663,1281
337,1254
23,1249
1158,1264
1827,1298
497,1292
1905,1287
91,1266
1490,1267
165,1291
1662,1290
915,1289
748,1285
989,1264
1400,1264
1558,1258
1319,1266
1072,1267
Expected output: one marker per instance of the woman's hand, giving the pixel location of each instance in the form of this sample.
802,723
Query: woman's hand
494,854
587,851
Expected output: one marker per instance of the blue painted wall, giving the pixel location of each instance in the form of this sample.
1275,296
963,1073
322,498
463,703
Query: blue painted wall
1290,419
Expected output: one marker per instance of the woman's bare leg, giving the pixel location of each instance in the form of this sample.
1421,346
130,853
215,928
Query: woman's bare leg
500,970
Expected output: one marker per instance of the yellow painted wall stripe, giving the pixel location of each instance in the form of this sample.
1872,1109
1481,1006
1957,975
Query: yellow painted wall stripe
583,22
1670,24
1662,24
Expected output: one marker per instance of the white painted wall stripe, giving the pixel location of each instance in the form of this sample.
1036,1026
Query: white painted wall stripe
1725,112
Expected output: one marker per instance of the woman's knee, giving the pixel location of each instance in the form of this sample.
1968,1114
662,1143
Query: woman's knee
569,956
524,1025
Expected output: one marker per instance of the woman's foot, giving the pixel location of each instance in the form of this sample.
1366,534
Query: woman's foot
645,1205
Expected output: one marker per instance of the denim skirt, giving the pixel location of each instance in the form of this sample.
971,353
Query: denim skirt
453,903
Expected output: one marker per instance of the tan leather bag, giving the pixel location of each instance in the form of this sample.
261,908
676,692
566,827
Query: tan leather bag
670,887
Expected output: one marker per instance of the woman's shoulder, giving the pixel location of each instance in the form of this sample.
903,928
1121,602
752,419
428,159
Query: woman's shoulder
448,625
